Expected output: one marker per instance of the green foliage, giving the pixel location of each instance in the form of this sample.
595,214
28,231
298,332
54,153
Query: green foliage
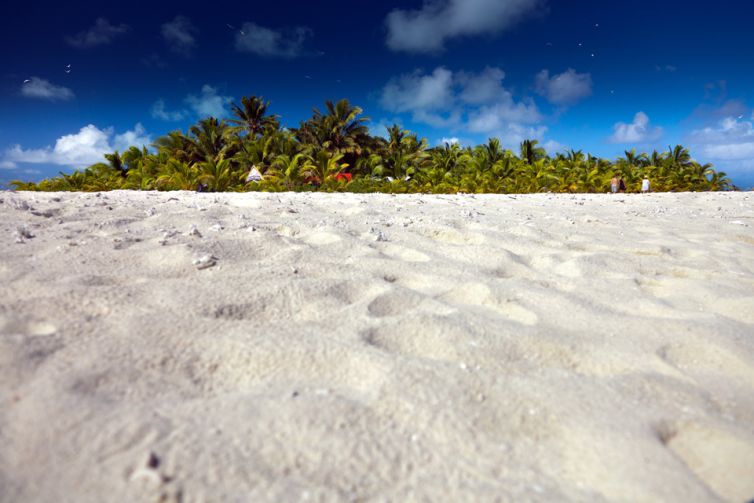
334,142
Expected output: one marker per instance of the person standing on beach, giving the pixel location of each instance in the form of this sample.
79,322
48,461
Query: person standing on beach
621,185
645,185
614,184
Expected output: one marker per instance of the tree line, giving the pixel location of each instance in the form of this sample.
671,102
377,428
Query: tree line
334,151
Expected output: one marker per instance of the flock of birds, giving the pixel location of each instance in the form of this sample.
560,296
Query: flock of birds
236,29
67,70
230,26
308,77
581,44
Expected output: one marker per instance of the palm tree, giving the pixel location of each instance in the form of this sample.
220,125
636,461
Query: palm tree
208,140
177,175
252,116
402,155
530,152
325,166
339,130
679,156
259,152
216,174
114,164
290,170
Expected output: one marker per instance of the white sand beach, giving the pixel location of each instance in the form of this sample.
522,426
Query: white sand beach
343,347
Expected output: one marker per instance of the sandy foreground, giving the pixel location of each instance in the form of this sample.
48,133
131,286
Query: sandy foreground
376,348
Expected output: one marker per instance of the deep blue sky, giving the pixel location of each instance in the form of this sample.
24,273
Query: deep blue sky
647,74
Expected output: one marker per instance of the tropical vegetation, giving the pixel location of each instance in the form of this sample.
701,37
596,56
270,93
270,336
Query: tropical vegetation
335,151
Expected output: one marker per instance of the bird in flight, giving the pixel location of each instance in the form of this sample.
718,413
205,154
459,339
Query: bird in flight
235,29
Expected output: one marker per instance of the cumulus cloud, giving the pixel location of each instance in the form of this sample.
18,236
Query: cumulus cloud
564,89
8,165
45,90
729,140
101,33
638,131
493,117
483,87
472,102
513,134
137,137
729,145
379,128
179,34
209,103
712,113
286,43
553,147
427,29
158,111
416,91
81,149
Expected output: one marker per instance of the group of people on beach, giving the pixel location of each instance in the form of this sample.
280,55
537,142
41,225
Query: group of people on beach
618,185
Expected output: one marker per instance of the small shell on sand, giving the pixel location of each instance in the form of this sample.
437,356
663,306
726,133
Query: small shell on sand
205,262
193,231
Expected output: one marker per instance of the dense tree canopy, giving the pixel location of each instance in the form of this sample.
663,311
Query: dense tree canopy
334,151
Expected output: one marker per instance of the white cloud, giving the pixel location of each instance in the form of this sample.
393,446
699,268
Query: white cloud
8,165
101,33
137,137
566,88
513,134
729,145
286,43
553,147
427,29
45,90
729,140
158,111
81,149
415,91
380,127
450,121
639,131
484,87
440,99
179,35
463,101
209,103
206,104
507,110
450,141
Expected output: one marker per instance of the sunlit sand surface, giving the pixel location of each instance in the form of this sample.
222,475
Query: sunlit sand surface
376,348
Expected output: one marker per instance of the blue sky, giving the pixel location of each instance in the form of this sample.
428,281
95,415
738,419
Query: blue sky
592,75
